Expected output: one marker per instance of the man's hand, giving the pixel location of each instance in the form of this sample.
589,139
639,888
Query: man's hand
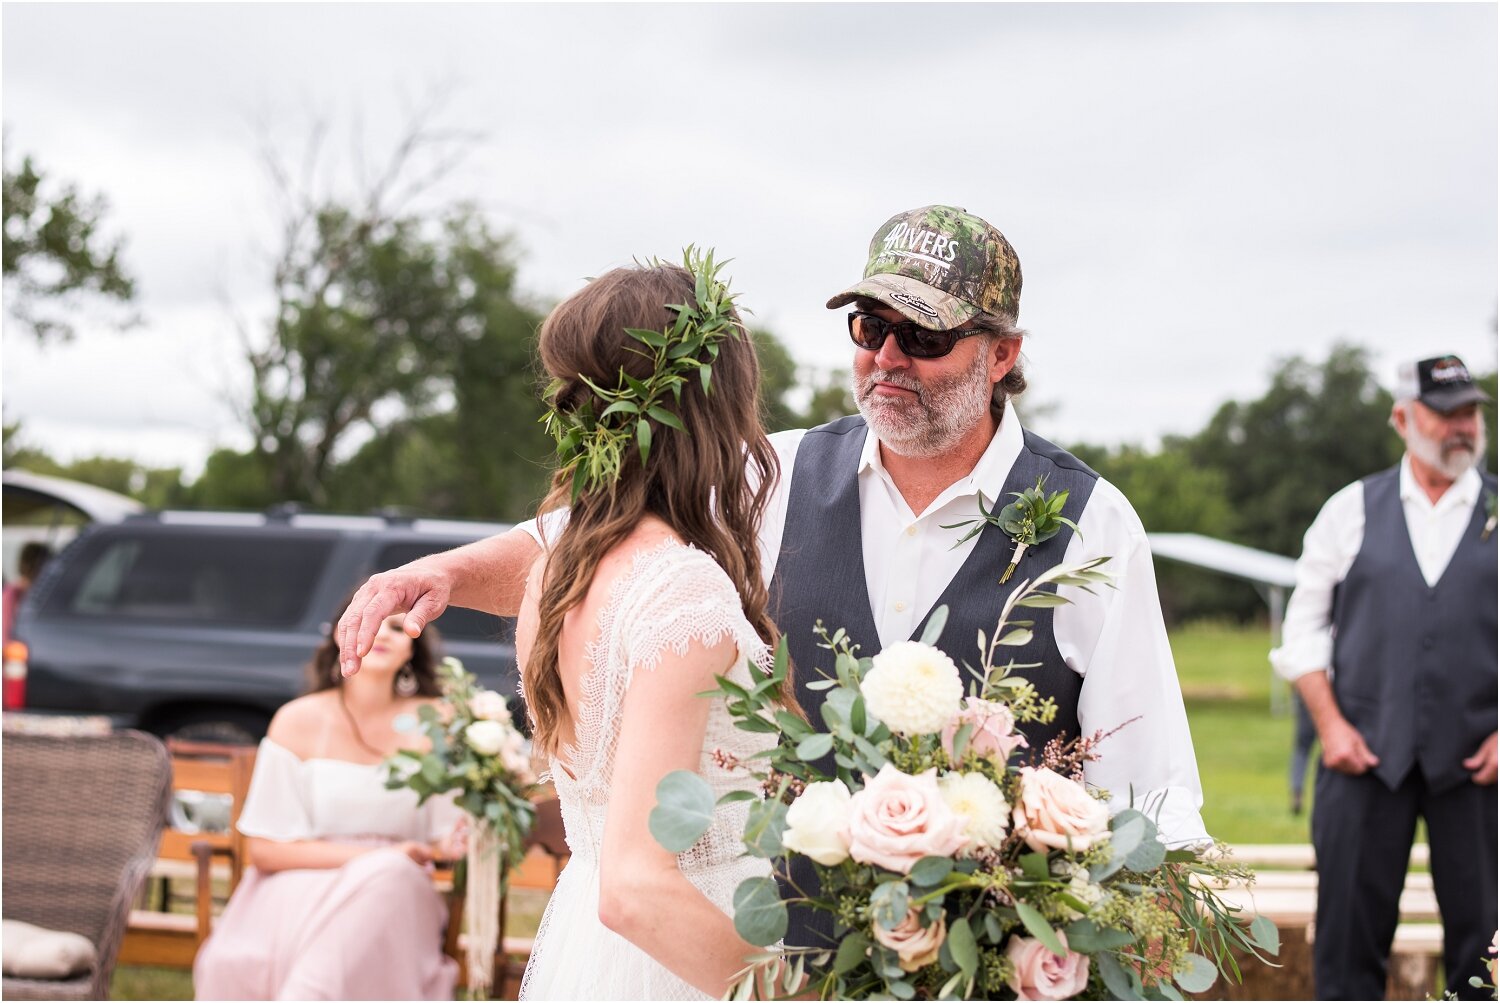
1344,748
1483,763
419,589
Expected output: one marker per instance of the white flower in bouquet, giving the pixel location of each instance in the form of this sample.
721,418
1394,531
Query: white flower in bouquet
916,946
488,705
817,823
1056,813
1038,974
486,737
913,687
895,820
515,756
982,804
1080,886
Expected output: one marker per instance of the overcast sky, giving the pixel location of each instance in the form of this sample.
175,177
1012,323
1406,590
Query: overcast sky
1194,191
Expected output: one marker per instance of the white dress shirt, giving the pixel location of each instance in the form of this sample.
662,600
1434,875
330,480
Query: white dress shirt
1115,639
1334,540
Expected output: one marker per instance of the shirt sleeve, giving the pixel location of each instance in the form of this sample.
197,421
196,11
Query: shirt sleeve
545,527
1328,551
1116,639
276,805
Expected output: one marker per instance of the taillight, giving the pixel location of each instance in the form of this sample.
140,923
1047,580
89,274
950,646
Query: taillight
14,674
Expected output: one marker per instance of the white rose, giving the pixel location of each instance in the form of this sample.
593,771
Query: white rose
516,757
914,688
985,810
489,706
1079,886
486,737
817,823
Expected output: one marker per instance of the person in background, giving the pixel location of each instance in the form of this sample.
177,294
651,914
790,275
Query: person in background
1390,639
338,902
33,556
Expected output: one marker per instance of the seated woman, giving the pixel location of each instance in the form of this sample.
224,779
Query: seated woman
338,902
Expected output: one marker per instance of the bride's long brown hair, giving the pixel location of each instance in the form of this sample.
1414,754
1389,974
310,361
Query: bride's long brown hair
696,482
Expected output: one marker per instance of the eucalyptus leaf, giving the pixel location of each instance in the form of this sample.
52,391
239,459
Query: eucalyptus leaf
852,952
964,947
1036,924
815,746
1034,866
930,870
1195,973
888,903
765,824
684,809
1264,935
1116,979
1087,937
935,624
759,914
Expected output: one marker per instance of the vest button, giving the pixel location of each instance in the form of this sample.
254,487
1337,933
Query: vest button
1427,643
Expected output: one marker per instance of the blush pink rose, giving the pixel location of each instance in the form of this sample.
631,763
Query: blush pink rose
897,819
1041,975
993,734
1055,813
916,946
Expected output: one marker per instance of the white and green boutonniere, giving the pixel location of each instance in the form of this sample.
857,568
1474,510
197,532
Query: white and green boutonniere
1031,519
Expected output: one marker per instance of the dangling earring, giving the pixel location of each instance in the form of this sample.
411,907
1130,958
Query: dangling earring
406,681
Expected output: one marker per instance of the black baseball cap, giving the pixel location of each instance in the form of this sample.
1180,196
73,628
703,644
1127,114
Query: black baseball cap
1442,383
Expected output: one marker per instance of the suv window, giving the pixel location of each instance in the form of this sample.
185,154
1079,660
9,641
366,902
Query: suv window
241,580
456,623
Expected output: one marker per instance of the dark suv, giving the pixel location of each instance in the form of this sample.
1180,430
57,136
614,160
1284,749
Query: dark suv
201,624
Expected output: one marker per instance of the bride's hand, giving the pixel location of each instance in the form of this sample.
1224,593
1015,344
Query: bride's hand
455,844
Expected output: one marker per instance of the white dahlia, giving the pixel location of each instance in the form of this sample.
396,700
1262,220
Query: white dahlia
977,798
914,688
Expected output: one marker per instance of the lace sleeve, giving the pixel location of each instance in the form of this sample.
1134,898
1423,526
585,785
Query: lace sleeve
675,596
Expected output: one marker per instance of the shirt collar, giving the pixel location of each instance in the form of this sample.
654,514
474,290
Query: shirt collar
1464,491
988,475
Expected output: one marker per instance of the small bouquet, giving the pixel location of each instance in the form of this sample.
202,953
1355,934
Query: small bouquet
950,867
478,752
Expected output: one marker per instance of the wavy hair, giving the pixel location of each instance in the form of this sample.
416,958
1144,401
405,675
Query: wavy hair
710,485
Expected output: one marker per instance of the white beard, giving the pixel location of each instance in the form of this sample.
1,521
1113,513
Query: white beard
1451,457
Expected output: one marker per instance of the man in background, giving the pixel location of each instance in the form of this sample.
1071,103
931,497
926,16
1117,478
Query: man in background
1390,640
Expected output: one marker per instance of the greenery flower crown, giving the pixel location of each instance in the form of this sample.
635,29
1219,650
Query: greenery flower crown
593,446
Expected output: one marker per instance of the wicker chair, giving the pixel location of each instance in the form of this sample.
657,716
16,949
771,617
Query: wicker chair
82,816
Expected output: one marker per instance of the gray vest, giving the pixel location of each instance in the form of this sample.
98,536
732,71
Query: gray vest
820,573
1414,665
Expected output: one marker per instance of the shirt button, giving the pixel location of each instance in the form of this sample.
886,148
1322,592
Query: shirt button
900,607
911,531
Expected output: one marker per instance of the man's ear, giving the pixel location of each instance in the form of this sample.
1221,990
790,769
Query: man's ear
1398,418
1003,355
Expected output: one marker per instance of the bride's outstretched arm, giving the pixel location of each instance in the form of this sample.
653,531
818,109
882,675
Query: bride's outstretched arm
642,894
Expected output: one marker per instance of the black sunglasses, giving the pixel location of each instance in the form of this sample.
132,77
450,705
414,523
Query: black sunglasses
868,332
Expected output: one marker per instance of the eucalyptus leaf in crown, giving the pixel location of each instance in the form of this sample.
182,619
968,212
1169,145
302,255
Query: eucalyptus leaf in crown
594,442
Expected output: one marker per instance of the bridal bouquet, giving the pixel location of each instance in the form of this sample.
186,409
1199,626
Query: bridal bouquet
949,869
478,751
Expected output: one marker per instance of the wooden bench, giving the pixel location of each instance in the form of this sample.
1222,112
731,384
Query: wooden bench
1285,890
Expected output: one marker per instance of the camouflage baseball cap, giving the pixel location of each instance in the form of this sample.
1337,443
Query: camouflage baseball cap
939,266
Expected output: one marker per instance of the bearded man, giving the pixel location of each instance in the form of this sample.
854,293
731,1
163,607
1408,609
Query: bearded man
858,532
1390,640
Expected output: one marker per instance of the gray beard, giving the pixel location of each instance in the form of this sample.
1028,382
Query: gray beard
941,414
1452,459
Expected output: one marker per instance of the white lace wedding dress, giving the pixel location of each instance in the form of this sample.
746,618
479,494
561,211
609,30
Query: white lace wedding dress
673,595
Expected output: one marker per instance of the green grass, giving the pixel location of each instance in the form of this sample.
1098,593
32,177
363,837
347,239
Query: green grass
1242,750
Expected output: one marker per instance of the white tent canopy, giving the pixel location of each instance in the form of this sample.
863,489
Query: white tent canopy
1258,566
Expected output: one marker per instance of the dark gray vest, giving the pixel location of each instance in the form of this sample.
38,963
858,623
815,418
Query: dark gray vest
820,573
1414,665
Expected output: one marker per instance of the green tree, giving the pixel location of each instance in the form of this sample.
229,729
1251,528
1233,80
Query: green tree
782,382
1318,427
56,256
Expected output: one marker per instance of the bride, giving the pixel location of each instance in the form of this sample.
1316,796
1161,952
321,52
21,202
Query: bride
648,588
